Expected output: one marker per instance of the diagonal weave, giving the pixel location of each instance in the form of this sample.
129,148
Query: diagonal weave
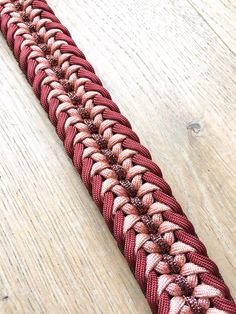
158,241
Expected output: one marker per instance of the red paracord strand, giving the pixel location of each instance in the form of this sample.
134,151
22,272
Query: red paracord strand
168,260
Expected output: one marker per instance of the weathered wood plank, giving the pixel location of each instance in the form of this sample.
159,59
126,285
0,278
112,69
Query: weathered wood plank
220,15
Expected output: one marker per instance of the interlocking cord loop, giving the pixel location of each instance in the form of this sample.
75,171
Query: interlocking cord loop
168,260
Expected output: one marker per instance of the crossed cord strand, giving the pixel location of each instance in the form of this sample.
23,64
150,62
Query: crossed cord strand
168,260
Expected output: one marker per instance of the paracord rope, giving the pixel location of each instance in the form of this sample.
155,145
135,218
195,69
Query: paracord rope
168,260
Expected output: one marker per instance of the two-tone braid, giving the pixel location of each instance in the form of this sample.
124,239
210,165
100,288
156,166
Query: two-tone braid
158,241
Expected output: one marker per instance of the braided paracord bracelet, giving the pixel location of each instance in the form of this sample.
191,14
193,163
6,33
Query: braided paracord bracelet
158,241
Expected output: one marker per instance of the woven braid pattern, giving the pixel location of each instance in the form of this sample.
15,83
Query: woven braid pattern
168,260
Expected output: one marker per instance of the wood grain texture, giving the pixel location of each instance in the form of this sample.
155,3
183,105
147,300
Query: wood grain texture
220,15
170,65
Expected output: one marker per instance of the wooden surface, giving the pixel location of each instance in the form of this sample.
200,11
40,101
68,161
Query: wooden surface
170,65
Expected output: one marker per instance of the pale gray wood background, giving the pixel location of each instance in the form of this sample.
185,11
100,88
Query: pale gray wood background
170,65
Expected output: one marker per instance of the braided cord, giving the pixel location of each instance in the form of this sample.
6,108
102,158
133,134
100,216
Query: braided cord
168,260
